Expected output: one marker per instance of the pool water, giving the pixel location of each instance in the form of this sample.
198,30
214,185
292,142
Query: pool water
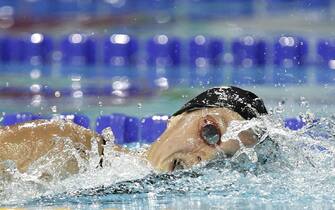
294,170
299,171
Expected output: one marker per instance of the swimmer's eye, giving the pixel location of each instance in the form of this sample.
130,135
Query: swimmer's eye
210,133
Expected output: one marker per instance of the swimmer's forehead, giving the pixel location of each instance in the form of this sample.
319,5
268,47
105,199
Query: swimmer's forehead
217,113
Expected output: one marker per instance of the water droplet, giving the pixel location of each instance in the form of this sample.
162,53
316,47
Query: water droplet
139,105
280,108
303,102
57,94
308,118
36,100
35,74
54,109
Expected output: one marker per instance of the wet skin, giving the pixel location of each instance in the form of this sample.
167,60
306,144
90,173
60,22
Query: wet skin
27,142
180,146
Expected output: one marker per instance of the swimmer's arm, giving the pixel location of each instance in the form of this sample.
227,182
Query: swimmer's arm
47,130
26,142
40,135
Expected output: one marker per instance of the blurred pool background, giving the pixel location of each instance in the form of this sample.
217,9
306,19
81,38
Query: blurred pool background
140,58
129,64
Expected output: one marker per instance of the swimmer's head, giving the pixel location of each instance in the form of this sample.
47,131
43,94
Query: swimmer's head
194,132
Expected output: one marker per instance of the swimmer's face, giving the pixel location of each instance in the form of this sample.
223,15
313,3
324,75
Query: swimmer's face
193,137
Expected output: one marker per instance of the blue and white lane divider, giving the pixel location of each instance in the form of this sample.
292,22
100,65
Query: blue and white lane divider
254,60
12,119
289,52
126,129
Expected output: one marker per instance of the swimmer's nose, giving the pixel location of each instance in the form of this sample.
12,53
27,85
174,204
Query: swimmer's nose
177,164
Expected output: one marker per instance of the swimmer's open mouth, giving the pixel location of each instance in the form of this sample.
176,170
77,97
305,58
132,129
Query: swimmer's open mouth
177,164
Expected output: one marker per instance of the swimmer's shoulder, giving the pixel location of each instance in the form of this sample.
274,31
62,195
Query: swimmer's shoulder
46,130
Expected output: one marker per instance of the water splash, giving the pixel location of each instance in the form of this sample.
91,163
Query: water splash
287,168
46,177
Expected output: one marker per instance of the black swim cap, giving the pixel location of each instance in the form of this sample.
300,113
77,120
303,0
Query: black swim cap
244,102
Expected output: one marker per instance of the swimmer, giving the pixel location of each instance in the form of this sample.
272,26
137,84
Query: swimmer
193,134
